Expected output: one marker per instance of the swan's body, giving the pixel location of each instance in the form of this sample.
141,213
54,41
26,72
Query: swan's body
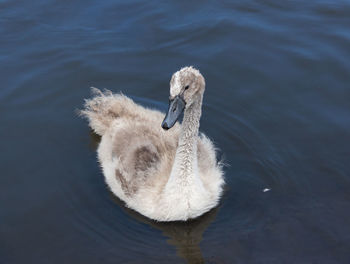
164,175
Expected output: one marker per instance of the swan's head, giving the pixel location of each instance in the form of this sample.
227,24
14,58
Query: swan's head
186,87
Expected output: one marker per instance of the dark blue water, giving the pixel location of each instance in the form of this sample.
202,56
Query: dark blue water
276,104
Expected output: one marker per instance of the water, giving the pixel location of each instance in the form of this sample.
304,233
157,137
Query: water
276,104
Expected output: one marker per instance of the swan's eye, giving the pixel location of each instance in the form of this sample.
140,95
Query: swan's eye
186,87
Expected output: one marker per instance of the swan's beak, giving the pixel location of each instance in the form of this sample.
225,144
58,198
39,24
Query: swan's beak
176,107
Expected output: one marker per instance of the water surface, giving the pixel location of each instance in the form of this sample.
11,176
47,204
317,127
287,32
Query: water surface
276,104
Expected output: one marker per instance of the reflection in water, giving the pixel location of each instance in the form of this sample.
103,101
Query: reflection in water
185,236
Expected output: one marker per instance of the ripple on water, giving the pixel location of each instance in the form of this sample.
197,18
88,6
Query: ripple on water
276,105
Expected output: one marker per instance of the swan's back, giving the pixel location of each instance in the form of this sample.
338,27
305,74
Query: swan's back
105,108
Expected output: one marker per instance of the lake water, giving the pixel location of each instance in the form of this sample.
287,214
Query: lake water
277,104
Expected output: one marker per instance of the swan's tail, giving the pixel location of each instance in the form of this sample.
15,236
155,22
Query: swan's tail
103,108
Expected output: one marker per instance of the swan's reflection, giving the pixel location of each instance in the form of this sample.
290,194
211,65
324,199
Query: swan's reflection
185,236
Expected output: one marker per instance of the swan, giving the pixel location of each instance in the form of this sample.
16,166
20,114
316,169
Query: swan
162,169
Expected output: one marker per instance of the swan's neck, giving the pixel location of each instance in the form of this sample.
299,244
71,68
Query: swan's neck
185,169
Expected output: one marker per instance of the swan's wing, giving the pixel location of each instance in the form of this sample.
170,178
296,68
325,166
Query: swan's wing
145,155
